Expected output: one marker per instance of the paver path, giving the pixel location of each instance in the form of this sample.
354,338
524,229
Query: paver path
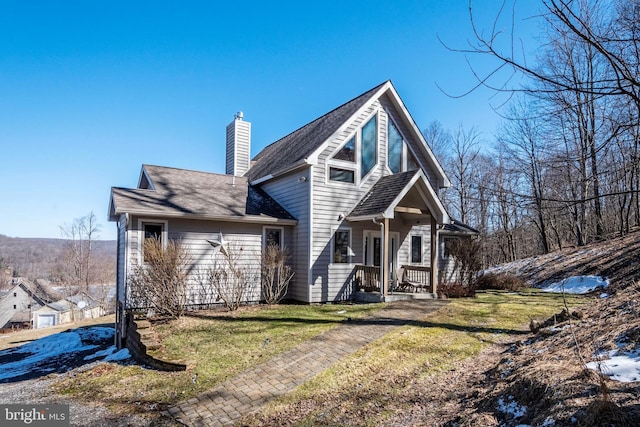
250,390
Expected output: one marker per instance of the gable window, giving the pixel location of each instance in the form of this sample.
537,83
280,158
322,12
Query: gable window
348,151
341,244
399,156
342,175
152,230
416,249
273,237
394,148
369,148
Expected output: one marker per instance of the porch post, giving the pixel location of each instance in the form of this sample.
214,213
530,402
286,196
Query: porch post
385,258
434,255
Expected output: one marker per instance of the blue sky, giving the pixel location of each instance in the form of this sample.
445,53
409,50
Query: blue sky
89,91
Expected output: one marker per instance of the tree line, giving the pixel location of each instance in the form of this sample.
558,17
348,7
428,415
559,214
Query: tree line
563,169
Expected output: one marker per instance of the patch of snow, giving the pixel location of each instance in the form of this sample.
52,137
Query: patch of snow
548,422
577,285
31,356
119,355
604,295
102,353
623,367
511,407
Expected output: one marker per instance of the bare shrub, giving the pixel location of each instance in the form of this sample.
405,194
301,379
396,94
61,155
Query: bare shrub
455,290
467,263
276,274
501,282
233,275
161,282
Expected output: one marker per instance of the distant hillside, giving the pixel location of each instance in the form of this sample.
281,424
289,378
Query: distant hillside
35,258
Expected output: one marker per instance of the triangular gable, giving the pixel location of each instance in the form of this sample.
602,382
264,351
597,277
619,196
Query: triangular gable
295,149
302,147
386,195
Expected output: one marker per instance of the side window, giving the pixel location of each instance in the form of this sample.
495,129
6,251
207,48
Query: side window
341,243
273,237
416,249
151,230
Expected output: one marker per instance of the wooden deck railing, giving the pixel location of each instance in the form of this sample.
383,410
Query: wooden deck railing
367,278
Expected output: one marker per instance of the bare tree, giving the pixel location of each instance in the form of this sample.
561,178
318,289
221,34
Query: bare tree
76,266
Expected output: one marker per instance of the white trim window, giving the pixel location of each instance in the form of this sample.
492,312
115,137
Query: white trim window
341,252
272,236
151,229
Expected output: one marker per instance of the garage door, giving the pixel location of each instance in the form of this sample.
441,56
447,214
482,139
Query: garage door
46,320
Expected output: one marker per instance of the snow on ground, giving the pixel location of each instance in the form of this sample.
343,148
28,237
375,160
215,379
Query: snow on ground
577,285
511,407
59,352
623,367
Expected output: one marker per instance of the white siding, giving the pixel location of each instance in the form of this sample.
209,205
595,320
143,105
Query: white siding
292,192
238,147
244,240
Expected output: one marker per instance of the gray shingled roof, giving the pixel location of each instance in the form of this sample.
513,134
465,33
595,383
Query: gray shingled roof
457,227
382,194
180,192
290,151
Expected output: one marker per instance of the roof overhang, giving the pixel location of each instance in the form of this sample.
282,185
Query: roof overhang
426,194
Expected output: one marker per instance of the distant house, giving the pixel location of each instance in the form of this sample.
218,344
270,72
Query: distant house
353,195
18,304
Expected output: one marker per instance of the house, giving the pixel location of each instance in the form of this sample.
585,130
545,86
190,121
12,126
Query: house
18,304
353,195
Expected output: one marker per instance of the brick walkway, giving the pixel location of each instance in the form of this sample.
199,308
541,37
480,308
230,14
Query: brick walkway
250,390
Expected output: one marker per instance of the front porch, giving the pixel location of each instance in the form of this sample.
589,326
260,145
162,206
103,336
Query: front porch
408,282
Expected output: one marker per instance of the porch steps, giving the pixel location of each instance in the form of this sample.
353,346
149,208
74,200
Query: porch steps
397,296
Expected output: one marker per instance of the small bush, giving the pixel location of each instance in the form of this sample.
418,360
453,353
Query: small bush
501,282
455,290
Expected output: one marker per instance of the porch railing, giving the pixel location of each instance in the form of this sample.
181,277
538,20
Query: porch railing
417,279
367,278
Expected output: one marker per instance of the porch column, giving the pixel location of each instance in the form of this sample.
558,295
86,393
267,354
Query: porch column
434,254
384,274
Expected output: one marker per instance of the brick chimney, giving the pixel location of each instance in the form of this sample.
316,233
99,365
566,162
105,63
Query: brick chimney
238,146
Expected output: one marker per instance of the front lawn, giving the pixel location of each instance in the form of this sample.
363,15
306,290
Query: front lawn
364,389
384,378
215,344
